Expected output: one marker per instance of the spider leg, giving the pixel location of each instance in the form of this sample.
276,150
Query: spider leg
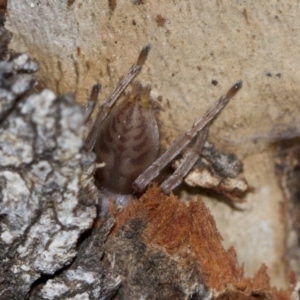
182,141
92,101
186,164
113,96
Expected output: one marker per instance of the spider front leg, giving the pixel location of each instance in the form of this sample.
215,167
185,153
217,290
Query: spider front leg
186,164
113,97
181,142
89,108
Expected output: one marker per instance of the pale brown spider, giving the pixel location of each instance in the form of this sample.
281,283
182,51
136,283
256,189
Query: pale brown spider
125,137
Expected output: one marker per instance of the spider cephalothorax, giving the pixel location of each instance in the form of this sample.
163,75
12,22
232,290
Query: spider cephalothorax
125,137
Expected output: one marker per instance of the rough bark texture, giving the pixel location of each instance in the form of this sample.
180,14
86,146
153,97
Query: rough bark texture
198,50
44,177
156,248
86,278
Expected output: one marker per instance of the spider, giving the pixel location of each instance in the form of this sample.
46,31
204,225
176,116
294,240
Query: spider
125,138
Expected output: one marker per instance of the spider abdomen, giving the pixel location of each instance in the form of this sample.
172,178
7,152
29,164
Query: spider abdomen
128,142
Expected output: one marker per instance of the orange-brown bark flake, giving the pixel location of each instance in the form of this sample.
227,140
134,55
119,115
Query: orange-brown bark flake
189,235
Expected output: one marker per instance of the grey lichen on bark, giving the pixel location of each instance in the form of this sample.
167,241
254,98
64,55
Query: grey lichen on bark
45,176
87,278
